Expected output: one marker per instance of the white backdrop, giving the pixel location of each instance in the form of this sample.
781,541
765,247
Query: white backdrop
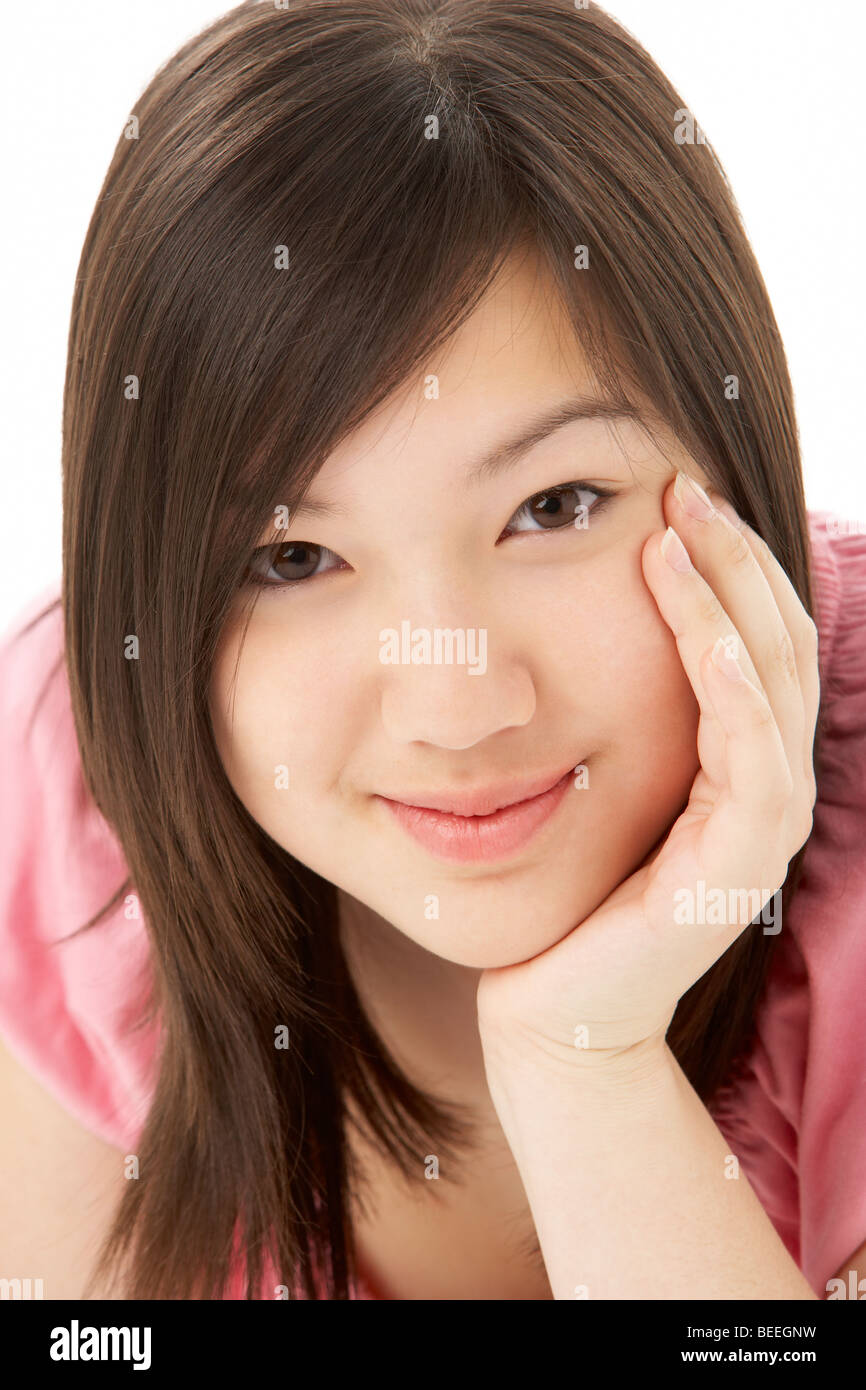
775,84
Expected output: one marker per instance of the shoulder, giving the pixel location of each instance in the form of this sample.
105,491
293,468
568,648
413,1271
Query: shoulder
31,659
43,812
66,1001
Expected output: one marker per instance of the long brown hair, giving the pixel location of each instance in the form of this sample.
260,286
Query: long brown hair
308,202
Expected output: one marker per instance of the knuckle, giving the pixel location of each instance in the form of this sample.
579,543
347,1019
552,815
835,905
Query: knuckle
763,715
710,609
778,805
784,655
737,549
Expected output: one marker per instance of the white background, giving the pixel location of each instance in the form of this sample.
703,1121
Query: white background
775,84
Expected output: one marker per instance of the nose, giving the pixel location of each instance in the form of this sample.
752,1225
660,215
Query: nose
441,699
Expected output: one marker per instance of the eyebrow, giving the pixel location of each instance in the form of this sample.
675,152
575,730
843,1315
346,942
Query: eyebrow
509,452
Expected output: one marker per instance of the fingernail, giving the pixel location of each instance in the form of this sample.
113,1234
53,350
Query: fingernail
724,659
675,552
692,497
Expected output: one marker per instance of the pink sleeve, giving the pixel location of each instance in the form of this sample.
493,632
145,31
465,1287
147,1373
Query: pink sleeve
795,1110
66,1010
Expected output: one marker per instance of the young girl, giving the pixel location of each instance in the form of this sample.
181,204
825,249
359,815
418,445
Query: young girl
431,865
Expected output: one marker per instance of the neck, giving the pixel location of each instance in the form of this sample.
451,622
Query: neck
422,1007
424,1011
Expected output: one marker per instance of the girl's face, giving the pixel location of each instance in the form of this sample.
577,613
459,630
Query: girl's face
552,655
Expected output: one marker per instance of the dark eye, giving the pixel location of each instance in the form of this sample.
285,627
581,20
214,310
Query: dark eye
272,565
567,504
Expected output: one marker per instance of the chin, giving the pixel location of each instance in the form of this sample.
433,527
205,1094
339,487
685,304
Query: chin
495,934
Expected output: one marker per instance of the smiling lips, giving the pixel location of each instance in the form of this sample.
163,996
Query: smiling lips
482,826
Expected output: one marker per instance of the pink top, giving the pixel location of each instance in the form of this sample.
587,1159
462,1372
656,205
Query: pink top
794,1113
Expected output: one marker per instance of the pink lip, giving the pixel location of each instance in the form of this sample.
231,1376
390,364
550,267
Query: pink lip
471,836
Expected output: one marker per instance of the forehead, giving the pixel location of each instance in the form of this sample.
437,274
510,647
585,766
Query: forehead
511,358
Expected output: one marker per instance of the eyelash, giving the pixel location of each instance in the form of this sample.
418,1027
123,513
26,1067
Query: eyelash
603,496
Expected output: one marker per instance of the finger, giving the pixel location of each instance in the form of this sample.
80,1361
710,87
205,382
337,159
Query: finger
802,628
750,823
692,611
730,567
696,619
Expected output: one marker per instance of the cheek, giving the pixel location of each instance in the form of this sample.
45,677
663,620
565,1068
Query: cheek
655,759
646,684
614,649
288,721
621,675
269,711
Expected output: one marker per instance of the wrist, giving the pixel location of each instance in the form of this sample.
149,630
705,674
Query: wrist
540,1095
512,1055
